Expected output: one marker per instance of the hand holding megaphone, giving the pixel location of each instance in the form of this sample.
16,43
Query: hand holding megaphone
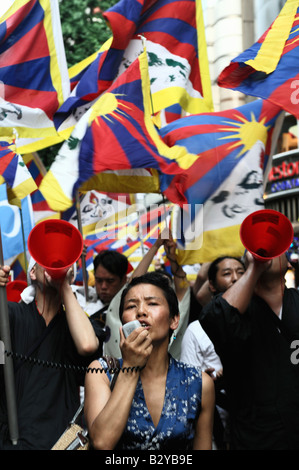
259,265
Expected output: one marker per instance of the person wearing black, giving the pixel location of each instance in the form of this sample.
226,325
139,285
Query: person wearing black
51,327
252,326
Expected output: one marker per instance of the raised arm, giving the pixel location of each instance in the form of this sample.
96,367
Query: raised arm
144,264
201,288
179,276
81,329
240,293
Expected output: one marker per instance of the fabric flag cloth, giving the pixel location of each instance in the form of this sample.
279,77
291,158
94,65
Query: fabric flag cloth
131,234
269,69
175,42
11,219
226,182
116,133
88,80
14,172
97,208
18,267
41,209
33,73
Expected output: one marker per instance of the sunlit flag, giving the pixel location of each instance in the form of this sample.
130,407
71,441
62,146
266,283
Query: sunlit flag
33,73
14,172
116,133
226,182
175,42
269,69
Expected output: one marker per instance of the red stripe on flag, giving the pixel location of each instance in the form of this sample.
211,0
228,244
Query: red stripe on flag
46,100
27,48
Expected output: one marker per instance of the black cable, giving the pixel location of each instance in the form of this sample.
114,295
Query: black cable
50,364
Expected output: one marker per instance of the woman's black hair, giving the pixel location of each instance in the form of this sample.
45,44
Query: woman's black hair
156,279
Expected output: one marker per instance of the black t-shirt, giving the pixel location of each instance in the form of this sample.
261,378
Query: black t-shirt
47,397
261,381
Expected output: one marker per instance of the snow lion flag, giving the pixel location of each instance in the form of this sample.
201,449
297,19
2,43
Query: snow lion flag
269,69
177,51
226,182
116,133
33,73
176,45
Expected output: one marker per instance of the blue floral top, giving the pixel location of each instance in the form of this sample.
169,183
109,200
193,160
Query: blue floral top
182,404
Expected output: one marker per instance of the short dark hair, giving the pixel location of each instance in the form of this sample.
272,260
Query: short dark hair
156,279
213,268
116,263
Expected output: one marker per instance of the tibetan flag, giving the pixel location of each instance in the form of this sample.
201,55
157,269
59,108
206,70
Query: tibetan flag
88,80
33,73
18,266
269,69
41,209
176,46
175,42
95,74
98,208
132,235
14,172
226,182
116,133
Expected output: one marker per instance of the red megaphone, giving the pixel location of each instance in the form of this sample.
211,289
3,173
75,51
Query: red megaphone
14,290
266,234
55,245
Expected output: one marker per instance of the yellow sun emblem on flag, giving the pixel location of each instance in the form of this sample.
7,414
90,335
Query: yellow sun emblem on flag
246,133
108,107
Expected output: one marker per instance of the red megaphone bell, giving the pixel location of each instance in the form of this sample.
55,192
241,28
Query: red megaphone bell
14,290
55,245
266,234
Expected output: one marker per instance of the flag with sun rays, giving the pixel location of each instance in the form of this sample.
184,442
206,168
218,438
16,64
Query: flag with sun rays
176,45
115,134
33,73
269,69
226,182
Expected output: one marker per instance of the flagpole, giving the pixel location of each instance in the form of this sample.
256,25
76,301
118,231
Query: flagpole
23,236
84,272
8,362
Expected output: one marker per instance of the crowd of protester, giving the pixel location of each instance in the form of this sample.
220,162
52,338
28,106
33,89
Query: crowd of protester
209,366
